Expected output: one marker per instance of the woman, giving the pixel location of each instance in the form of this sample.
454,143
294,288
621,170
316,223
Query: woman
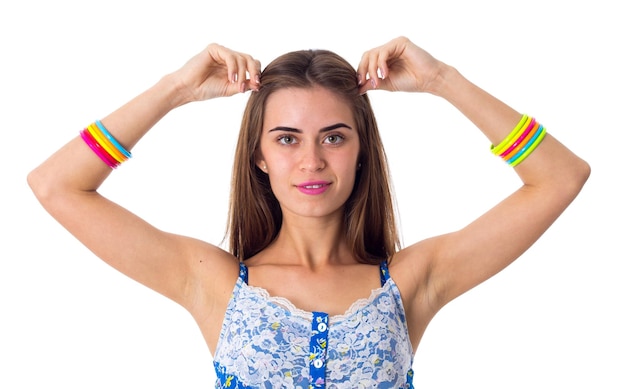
315,291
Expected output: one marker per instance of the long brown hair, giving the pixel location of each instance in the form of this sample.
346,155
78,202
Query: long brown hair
255,216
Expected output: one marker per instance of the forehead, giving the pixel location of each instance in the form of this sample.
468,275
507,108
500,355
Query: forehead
297,107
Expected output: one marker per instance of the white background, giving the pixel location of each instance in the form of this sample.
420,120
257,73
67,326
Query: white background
554,319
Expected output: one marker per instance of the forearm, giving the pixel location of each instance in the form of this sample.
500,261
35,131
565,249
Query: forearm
550,165
75,167
493,117
133,120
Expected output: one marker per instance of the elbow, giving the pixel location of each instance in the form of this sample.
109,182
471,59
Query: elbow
583,171
41,186
36,183
572,182
563,182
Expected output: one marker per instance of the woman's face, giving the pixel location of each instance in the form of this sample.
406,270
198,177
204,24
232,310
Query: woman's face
309,148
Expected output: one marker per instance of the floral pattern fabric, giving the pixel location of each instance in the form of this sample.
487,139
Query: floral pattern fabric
317,350
265,342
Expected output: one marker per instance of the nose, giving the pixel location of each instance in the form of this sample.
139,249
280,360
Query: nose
312,159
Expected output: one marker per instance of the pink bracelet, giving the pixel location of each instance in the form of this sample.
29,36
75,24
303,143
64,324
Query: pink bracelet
97,149
523,143
518,140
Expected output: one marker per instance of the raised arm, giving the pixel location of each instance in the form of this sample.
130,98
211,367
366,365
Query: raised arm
66,183
441,268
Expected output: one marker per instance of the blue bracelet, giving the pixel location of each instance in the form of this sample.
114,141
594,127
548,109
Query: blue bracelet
112,139
526,146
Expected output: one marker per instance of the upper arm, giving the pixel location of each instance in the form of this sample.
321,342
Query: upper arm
439,269
170,264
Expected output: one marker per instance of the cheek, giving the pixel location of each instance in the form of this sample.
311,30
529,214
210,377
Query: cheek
277,164
278,172
347,168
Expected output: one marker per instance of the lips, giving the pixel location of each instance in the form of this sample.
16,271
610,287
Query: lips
314,187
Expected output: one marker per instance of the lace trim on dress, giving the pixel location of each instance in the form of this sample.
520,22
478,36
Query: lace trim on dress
287,305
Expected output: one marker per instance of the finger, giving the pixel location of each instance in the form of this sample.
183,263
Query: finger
379,84
372,69
383,66
363,73
241,72
254,72
365,87
249,73
368,62
362,68
222,55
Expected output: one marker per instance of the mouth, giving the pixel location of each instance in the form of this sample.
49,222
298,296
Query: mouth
313,184
313,188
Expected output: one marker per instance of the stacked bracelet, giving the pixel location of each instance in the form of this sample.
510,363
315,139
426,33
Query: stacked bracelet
104,145
522,141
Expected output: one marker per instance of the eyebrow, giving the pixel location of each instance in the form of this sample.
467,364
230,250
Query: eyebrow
299,131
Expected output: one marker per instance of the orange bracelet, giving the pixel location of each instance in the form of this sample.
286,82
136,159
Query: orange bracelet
522,142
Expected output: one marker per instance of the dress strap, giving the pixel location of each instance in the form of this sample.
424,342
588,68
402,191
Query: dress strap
384,273
243,272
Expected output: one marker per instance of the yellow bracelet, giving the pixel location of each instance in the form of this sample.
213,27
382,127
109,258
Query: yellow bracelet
508,141
106,145
531,148
523,143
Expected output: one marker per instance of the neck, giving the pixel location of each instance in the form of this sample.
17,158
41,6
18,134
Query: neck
312,242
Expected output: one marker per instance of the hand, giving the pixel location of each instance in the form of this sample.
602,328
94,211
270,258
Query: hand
218,72
398,65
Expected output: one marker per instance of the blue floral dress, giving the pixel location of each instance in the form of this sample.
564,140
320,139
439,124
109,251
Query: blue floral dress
266,342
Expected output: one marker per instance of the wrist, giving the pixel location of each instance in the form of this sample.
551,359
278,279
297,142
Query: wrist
445,83
174,92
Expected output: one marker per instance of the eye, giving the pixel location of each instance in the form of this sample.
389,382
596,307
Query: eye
334,139
286,140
